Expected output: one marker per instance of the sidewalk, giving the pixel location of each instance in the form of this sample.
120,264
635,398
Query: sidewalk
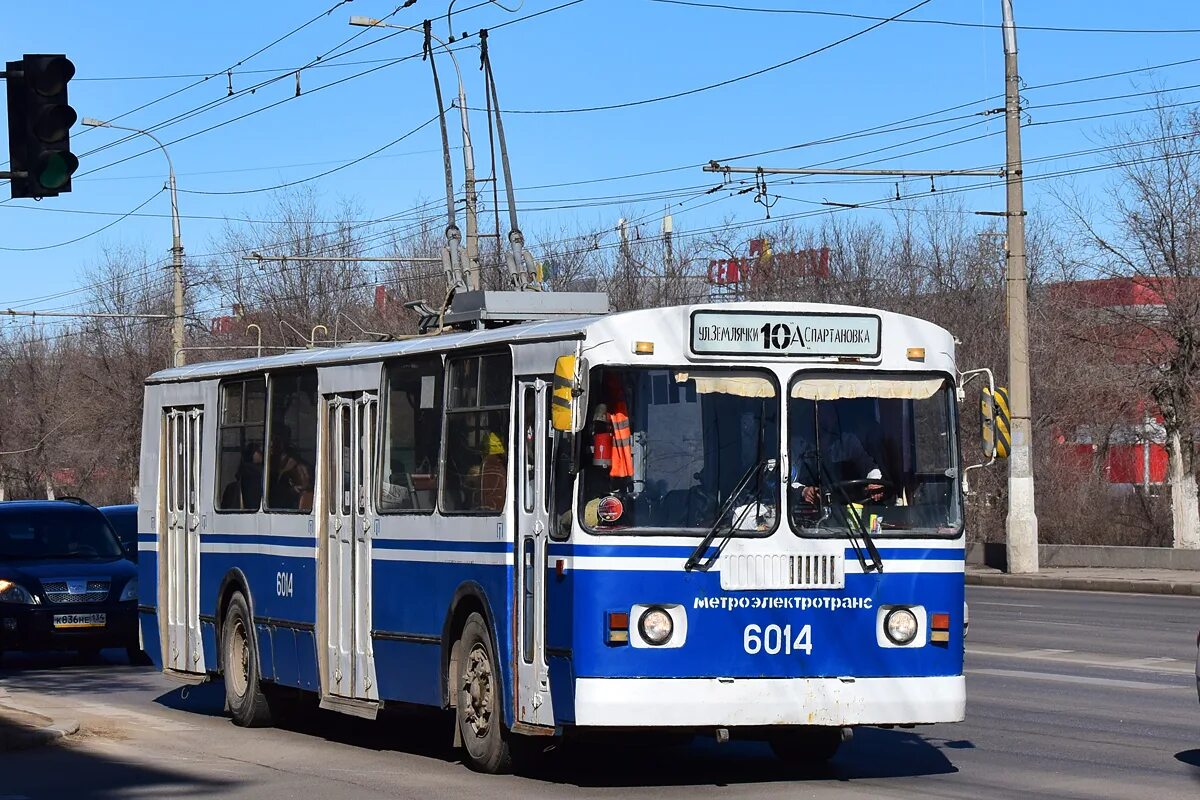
22,728
1093,579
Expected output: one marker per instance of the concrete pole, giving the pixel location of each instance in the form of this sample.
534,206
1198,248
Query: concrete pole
1022,521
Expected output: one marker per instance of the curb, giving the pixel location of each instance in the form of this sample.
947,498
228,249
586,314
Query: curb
23,737
1182,588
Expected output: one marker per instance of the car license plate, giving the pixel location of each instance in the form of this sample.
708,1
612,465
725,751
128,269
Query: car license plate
79,620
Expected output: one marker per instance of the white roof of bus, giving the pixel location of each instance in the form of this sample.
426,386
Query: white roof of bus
370,351
575,327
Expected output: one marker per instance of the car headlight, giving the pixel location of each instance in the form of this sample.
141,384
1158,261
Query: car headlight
656,626
900,626
130,590
11,592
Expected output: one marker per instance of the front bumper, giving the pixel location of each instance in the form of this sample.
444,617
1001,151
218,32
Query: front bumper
34,626
702,702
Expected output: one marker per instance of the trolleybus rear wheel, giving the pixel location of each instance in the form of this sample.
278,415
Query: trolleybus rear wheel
807,745
243,687
480,715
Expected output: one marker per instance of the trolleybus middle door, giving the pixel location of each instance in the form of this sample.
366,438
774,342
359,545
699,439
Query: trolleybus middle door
350,463
179,556
532,687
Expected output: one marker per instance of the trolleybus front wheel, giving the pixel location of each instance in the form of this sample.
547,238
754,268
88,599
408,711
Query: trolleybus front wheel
243,686
480,715
808,745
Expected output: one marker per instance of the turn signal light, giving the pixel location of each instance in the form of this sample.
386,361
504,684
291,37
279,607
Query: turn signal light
939,628
916,354
643,348
618,627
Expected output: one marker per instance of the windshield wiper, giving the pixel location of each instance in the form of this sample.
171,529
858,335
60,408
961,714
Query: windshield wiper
697,561
867,543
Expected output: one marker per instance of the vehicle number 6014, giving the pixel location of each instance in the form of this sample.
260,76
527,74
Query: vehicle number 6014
774,640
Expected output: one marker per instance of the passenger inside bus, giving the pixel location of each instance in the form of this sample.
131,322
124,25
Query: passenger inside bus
492,471
245,490
291,484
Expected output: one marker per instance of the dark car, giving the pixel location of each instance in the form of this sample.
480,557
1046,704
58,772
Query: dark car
65,582
123,520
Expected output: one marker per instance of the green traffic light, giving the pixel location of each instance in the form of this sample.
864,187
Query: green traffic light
55,169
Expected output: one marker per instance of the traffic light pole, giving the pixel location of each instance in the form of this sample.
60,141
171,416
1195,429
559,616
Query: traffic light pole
177,331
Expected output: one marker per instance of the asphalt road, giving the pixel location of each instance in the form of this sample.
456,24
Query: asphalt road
1070,695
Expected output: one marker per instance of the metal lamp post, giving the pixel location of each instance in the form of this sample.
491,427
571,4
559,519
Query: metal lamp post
177,342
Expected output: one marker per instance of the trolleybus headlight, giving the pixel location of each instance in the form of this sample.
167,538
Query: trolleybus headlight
656,626
900,626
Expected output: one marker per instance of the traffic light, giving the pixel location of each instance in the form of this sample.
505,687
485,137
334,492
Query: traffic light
39,125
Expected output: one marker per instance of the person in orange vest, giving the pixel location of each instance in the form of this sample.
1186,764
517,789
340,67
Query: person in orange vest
622,434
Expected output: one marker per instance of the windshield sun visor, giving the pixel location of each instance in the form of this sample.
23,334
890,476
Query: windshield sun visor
853,387
739,384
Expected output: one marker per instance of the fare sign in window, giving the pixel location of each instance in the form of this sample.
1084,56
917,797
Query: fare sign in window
793,335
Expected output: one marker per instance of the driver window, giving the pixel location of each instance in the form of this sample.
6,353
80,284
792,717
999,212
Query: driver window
877,446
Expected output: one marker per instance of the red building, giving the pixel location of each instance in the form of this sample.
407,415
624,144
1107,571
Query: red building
1134,451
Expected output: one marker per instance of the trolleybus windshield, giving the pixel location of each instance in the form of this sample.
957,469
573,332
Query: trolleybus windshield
664,448
874,450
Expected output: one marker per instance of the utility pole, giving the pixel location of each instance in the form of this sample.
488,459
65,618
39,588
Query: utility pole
668,229
178,358
1022,520
626,258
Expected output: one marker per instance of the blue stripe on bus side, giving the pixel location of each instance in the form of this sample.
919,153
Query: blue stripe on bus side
259,538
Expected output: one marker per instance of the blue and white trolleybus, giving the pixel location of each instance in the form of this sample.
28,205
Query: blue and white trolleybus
743,519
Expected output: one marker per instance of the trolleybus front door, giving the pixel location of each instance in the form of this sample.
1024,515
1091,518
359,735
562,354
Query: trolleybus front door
532,702
179,539
350,458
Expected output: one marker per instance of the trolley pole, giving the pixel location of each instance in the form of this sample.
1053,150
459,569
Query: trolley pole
1021,525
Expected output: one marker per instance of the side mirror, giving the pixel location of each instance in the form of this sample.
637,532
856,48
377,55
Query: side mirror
994,422
993,419
568,400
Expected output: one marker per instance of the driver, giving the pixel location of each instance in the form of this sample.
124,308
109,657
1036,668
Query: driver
835,455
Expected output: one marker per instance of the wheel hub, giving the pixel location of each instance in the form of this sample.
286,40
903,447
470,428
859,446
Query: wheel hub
238,663
477,691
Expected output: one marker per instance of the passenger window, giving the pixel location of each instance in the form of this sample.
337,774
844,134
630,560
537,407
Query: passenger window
293,442
476,474
240,440
413,435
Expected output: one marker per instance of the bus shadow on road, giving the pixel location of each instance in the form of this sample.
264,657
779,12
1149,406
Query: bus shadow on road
1192,759
874,753
611,761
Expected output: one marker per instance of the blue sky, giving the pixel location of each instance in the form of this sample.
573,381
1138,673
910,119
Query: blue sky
593,53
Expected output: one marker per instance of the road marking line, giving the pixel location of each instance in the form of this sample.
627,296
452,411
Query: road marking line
1080,679
1149,664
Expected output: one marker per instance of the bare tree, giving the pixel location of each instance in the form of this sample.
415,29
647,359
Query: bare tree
1149,233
